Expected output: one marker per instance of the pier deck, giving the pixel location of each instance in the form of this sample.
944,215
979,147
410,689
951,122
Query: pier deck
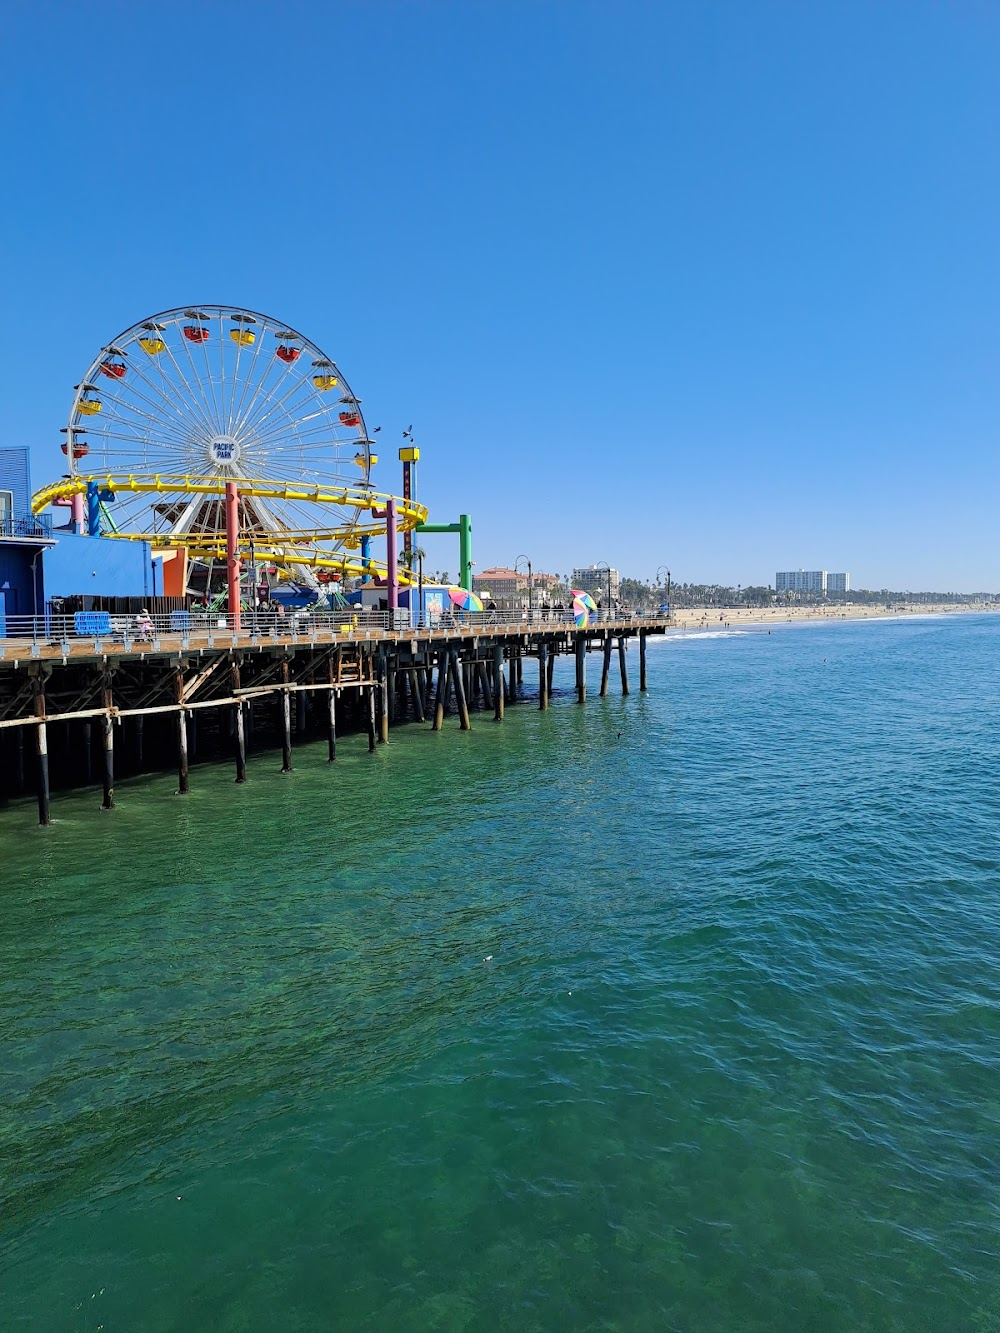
63,684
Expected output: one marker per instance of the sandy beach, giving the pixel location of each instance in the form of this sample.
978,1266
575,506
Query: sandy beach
714,617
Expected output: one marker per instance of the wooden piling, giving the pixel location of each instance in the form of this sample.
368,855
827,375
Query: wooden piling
239,727
442,674
87,745
460,695
138,736
485,689
606,663
543,676
383,698
642,661
370,711
286,720
581,669
108,794
426,676
416,691
551,670
498,682
42,751
331,717
182,739
623,664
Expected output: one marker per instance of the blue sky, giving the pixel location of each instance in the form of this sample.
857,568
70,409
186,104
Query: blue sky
711,285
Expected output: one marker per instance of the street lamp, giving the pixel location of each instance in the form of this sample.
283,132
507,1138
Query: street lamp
253,586
603,567
528,563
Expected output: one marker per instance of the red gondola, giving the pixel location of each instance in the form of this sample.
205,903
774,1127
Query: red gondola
115,370
80,449
350,419
195,333
288,354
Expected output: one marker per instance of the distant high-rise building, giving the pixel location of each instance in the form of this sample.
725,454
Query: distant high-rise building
598,580
837,583
800,580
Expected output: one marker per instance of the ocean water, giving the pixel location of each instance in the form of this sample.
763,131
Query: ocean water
680,1012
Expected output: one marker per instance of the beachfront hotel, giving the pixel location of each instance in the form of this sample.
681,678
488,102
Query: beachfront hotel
811,580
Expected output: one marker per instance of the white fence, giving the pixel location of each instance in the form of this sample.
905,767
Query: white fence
138,631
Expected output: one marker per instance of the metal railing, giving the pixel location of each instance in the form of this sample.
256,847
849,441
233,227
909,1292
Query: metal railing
208,628
25,525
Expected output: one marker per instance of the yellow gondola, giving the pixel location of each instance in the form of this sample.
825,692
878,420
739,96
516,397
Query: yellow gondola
243,337
325,382
89,407
152,346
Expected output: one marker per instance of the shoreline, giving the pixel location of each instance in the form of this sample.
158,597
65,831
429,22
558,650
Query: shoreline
715,618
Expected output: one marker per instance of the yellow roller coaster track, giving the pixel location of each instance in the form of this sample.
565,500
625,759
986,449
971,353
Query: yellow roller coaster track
281,547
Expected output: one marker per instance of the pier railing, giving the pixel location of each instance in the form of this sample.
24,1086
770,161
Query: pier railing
99,629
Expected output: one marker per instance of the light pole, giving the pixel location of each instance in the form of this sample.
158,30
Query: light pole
253,586
528,563
600,567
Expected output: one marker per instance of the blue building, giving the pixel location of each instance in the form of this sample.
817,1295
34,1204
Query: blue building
39,564
24,538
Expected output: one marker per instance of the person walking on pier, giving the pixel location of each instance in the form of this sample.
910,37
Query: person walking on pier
144,626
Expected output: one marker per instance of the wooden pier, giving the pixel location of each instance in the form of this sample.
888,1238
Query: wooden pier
73,710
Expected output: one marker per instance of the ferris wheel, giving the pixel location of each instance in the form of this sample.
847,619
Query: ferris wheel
189,399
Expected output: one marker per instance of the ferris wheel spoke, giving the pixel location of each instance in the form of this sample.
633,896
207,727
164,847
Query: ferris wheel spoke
248,387
195,408
286,416
250,421
184,410
245,420
239,384
140,441
213,425
252,387
211,385
281,438
123,403
126,409
166,430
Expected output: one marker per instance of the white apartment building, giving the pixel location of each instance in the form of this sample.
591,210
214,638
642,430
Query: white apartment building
597,580
800,580
811,580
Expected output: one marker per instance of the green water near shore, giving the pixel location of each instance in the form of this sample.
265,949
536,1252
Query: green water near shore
732,1062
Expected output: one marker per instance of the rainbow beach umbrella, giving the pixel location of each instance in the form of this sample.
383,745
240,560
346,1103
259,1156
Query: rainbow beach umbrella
581,613
584,598
465,600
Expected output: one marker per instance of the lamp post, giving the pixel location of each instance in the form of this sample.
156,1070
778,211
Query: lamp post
602,566
528,563
253,585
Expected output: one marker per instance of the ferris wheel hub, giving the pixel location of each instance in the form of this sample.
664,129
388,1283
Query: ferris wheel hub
224,449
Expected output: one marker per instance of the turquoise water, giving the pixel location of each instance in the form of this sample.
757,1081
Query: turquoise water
734,1063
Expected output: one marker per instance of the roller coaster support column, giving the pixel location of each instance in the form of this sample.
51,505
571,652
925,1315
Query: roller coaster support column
366,555
464,529
233,552
93,510
391,557
76,512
